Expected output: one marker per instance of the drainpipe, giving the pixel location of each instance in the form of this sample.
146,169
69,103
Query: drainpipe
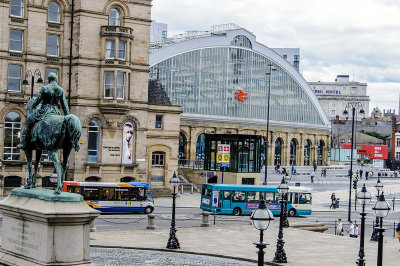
70,54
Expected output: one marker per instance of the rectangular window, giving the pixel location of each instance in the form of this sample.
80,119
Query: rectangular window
227,195
51,70
158,121
120,84
108,84
16,40
17,8
238,196
91,193
157,159
110,49
253,196
121,50
397,155
107,194
398,142
53,45
14,78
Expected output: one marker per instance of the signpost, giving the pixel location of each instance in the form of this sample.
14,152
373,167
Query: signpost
223,156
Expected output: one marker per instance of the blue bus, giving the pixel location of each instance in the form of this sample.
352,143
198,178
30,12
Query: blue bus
132,197
242,199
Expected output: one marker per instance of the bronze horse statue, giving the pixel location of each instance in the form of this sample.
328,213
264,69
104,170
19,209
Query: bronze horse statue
52,133
47,129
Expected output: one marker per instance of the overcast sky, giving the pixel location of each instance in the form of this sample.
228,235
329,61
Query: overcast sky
334,37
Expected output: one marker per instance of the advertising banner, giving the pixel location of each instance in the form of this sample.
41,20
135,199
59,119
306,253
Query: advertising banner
374,151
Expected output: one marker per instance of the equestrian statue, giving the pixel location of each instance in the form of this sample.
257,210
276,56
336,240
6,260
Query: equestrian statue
47,129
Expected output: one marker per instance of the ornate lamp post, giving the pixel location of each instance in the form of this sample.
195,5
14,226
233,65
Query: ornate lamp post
268,101
363,198
378,187
353,106
280,254
285,213
29,74
173,242
260,218
381,209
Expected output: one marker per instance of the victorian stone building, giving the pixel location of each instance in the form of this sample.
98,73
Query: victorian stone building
104,70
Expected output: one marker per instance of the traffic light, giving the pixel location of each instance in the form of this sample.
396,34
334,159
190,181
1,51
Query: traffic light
355,183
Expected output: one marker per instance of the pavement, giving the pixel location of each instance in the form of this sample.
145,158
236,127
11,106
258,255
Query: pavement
236,241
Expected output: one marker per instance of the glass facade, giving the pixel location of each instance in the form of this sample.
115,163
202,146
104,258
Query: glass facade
204,81
245,152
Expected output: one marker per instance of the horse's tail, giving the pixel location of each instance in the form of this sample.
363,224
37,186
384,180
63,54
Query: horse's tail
74,129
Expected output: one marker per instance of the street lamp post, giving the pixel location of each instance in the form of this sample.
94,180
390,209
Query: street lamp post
379,188
31,75
382,210
260,219
280,254
353,106
363,198
173,242
285,213
268,101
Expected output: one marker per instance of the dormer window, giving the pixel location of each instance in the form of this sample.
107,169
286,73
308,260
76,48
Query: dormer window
115,18
54,12
17,8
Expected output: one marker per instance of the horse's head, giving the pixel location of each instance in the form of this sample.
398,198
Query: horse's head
29,107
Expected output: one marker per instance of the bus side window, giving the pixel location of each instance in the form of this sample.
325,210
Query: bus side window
134,195
122,194
239,196
91,193
268,197
290,197
253,196
227,195
295,198
71,189
78,190
107,194
141,196
277,197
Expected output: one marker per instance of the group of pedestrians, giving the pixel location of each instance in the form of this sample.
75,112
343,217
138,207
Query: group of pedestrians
353,230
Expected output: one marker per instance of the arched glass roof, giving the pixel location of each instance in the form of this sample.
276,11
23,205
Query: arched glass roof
230,81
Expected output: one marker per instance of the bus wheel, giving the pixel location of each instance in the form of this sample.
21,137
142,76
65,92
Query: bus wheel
292,212
148,210
237,211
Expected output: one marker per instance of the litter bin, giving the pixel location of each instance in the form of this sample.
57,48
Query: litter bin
337,203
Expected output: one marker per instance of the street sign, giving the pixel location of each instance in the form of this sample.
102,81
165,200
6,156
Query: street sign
223,155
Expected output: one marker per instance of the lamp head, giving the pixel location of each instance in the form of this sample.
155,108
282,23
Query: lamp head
261,217
363,197
381,207
174,181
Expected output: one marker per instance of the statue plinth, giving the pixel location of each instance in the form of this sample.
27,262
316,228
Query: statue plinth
41,228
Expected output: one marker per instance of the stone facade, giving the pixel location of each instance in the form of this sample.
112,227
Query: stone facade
108,86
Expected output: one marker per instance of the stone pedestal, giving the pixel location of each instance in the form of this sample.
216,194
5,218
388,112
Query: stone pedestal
41,228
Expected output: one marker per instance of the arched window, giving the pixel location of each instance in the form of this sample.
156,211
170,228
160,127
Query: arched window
241,41
93,141
182,149
12,136
278,152
114,18
53,12
200,147
293,151
320,152
307,152
17,8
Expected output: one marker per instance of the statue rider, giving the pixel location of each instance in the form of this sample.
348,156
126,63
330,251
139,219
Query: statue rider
49,96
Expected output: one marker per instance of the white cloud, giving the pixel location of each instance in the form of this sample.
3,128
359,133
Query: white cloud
334,37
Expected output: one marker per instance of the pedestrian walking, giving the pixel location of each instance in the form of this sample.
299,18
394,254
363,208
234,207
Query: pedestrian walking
339,228
356,230
333,201
351,229
315,166
358,174
361,173
398,231
324,172
366,175
312,176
